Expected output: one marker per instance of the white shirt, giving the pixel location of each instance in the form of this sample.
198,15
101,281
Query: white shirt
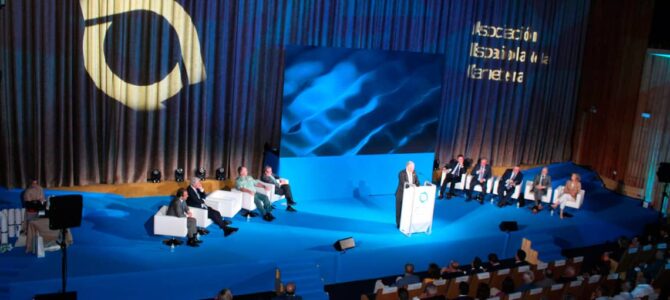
410,178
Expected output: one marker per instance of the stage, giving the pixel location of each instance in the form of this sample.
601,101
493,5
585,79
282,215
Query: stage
115,255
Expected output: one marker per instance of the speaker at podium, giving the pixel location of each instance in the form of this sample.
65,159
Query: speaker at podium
418,205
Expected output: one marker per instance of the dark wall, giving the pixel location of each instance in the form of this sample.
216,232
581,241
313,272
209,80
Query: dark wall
616,43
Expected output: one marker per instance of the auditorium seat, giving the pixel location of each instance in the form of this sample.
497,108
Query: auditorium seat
513,296
452,291
415,289
169,225
226,202
498,277
247,200
574,289
517,274
489,184
555,292
387,293
476,280
573,204
557,267
528,194
442,286
576,263
459,185
590,286
517,189
270,192
534,294
200,215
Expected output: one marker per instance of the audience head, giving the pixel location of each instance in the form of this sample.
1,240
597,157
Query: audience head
528,277
625,286
483,291
433,271
267,170
493,259
605,256
569,272
431,290
454,264
409,268
545,171
410,166
290,288
476,262
575,177
508,285
520,255
242,170
463,288
224,294
548,273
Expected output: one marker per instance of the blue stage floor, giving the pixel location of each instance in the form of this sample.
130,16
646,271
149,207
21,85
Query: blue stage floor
116,256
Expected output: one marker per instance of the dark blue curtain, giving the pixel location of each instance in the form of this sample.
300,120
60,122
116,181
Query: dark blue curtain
63,127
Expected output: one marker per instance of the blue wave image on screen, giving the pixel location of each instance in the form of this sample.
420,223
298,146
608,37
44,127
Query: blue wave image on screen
341,101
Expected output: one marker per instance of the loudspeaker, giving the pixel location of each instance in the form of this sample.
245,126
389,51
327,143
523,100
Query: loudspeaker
663,172
508,226
344,244
65,211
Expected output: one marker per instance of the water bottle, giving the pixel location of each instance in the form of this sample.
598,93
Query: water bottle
172,248
491,200
552,213
518,204
248,217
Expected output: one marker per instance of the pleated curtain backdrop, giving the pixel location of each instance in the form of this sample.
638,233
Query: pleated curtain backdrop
63,121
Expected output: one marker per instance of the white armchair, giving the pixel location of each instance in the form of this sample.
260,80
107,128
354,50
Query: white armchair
529,195
270,192
169,226
489,185
247,200
517,189
459,185
227,203
200,215
574,204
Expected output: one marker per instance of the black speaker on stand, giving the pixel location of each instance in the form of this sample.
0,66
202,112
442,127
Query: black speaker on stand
64,213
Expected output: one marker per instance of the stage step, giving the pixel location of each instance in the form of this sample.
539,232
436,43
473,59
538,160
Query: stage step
307,278
546,247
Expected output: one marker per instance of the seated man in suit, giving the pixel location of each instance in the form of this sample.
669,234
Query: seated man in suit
196,198
248,184
480,174
179,209
454,171
281,187
508,183
289,293
541,184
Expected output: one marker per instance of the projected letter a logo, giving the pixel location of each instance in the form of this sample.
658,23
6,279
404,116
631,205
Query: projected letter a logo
144,97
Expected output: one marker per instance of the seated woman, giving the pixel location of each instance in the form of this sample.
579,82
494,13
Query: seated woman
570,191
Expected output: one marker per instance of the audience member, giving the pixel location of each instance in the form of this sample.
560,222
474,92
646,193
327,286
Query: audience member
452,270
601,293
520,258
547,280
506,289
604,265
289,293
528,278
569,275
433,273
476,266
430,293
224,294
463,290
493,264
642,288
408,278
625,292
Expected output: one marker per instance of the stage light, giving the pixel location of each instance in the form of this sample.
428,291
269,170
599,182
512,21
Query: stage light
220,174
155,176
179,174
201,173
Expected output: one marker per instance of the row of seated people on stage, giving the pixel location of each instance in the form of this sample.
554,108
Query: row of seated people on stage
194,196
511,178
637,284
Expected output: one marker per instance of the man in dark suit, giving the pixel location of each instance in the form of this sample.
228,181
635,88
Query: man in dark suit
196,198
179,209
480,176
508,183
406,176
453,173
281,187
541,184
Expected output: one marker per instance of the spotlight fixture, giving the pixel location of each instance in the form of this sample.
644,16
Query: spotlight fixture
179,174
201,173
220,174
155,176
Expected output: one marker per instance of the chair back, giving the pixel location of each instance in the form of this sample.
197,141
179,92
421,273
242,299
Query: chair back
453,291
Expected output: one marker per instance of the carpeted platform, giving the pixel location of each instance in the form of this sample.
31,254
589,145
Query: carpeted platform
115,254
